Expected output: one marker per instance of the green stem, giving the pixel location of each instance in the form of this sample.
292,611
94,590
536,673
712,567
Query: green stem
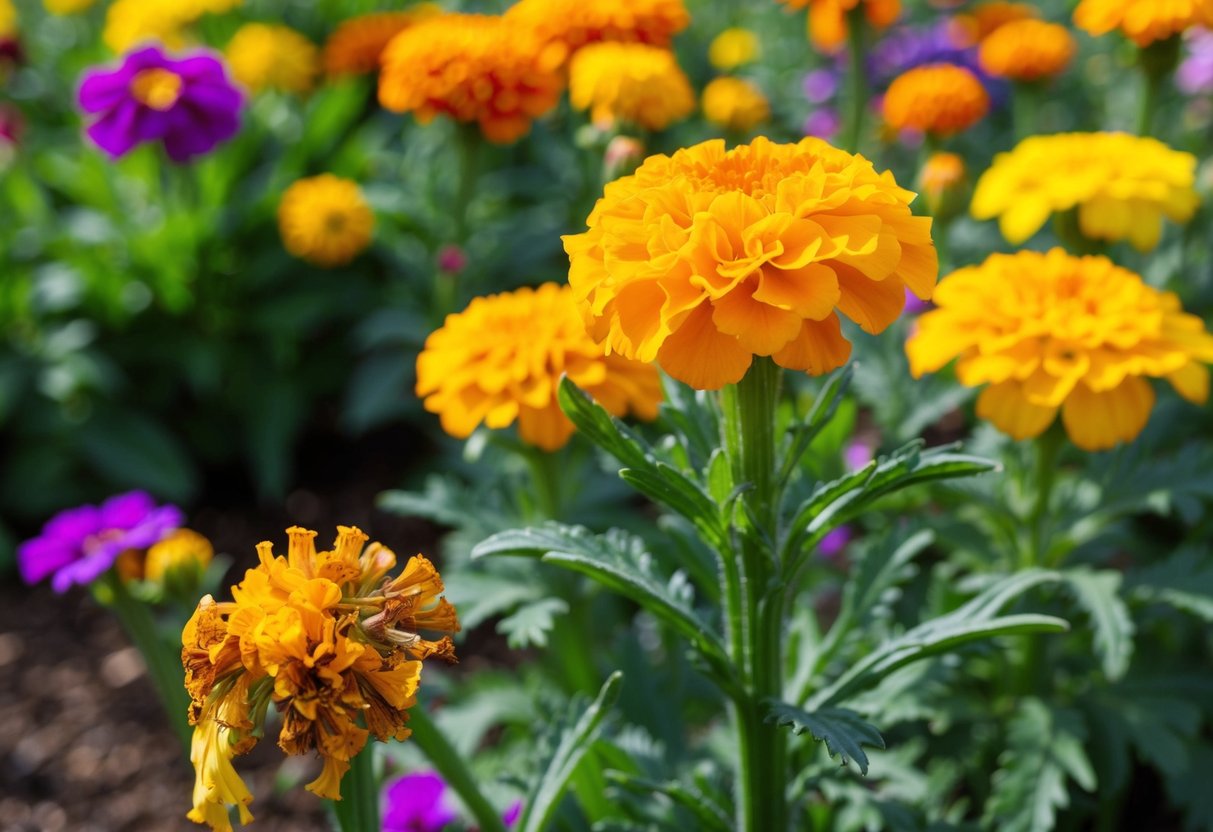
1151,93
446,287
358,809
545,475
1157,61
1025,101
1047,448
453,769
857,80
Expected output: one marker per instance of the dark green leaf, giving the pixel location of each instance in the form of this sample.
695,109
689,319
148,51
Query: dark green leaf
844,732
1099,594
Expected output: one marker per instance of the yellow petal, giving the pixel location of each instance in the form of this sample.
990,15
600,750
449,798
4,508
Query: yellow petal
698,354
1097,421
819,349
1006,406
1192,382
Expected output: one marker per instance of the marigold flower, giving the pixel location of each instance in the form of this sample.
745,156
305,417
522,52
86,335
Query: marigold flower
327,638
473,68
500,361
630,82
1122,186
942,99
1052,331
733,48
65,7
1027,50
704,259
1143,21
355,47
325,220
575,23
735,104
987,18
941,181
184,549
828,18
266,56
131,22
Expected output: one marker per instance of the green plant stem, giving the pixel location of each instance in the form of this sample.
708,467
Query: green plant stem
1025,101
857,80
446,285
1151,93
1156,61
453,769
1046,449
358,809
545,475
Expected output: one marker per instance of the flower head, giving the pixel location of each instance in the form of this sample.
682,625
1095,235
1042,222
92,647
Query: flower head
130,23
987,18
187,103
473,68
417,802
1052,331
266,56
77,545
733,48
63,7
941,181
942,99
1122,186
356,46
501,359
325,220
1027,50
630,82
575,23
735,104
184,550
327,638
1195,73
701,260
828,18
1143,21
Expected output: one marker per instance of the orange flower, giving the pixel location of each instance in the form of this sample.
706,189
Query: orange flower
1027,50
1143,21
575,23
354,47
478,68
735,104
942,99
987,18
632,83
828,18
701,260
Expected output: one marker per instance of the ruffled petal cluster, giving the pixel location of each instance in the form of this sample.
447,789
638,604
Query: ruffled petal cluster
501,359
325,220
270,56
1027,50
735,104
941,99
576,23
1143,21
473,68
701,260
356,46
326,638
1049,332
632,83
828,18
1121,185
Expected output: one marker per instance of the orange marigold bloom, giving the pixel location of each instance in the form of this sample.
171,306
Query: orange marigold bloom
500,361
941,183
575,23
1143,21
942,99
828,18
1052,331
1027,50
473,68
329,640
987,18
735,104
355,47
701,260
630,82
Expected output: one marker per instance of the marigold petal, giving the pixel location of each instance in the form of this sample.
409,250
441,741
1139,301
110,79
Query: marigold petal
820,348
1009,409
1192,382
873,304
1097,421
698,354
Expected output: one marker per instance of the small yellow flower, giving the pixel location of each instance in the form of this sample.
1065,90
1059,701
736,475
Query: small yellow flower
1122,186
735,104
184,549
1027,50
500,361
575,23
828,18
325,220
131,22
356,46
1051,332
632,83
733,48
266,56
1143,21
64,7
8,18
942,99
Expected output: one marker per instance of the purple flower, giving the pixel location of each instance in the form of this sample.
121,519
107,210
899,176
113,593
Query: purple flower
416,803
1195,74
909,47
79,544
187,103
824,123
858,454
914,304
832,544
821,85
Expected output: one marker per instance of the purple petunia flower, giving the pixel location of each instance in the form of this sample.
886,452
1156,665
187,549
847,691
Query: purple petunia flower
416,803
77,545
832,544
824,123
909,47
187,103
1195,74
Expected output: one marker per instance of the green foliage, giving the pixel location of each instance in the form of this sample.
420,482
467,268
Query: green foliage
844,732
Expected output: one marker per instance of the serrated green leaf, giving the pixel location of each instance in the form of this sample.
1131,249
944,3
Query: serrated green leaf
1184,580
1099,594
530,624
709,816
801,436
843,731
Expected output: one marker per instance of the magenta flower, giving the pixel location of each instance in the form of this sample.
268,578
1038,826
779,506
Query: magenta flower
832,544
187,103
77,545
416,803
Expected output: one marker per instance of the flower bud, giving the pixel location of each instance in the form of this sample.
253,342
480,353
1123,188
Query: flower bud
178,561
942,182
452,259
623,155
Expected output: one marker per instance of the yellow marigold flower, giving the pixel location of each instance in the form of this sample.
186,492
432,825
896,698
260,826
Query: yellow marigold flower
630,82
575,23
328,639
473,68
183,549
1122,186
733,48
1143,21
500,361
64,7
701,260
735,104
1027,50
325,220
1052,331
131,22
265,56
356,46
828,18
942,99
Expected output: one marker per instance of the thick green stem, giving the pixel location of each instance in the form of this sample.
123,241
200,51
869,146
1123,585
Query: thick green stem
1025,102
358,809
545,476
1047,448
446,760
857,80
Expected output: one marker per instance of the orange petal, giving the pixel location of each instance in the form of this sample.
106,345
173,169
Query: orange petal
698,354
1097,421
1009,409
819,349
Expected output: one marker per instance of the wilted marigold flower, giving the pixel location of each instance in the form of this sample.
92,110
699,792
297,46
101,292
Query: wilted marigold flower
735,104
1052,331
1122,186
630,82
325,220
733,48
1027,50
473,68
704,259
828,18
500,361
265,56
355,47
329,640
1143,21
942,99
575,23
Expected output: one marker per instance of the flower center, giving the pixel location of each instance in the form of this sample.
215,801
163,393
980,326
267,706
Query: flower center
96,541
335,222
156,88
